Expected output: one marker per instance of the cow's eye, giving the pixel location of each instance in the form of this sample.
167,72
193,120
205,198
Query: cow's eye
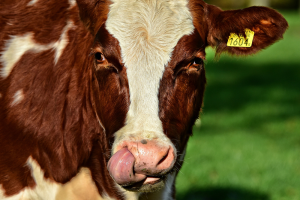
197,61
99,57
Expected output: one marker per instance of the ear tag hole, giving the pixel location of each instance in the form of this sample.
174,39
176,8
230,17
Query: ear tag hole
239,40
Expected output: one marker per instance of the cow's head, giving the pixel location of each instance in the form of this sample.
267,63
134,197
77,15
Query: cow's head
148,62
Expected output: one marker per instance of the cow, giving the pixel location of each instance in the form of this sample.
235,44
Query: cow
98,97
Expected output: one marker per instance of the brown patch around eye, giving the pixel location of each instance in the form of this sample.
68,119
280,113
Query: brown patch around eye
197,62
99,59
102,63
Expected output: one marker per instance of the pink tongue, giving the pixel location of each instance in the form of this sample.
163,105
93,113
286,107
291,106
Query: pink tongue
120,167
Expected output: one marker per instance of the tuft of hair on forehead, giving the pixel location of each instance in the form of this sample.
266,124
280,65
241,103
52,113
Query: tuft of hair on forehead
93,13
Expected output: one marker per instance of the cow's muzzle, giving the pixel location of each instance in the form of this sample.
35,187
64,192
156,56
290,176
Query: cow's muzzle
140,164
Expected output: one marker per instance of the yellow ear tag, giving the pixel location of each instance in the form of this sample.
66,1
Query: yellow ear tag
239,40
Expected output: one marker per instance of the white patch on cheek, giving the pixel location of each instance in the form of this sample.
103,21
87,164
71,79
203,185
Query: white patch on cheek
32,2
17,46
18,97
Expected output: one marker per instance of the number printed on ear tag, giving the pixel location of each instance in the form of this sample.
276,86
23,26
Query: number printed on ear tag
239,40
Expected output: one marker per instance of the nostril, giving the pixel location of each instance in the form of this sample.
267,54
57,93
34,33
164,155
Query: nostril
164,158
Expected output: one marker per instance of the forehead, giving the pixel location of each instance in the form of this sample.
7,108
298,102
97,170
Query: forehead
148,27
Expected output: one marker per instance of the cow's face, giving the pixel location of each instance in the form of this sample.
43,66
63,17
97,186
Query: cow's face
148,61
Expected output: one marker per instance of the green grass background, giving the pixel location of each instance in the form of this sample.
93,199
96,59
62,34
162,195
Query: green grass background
248,144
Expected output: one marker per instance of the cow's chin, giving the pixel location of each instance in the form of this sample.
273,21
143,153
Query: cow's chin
150,184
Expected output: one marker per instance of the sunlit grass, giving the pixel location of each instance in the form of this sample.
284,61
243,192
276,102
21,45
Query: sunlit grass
248,144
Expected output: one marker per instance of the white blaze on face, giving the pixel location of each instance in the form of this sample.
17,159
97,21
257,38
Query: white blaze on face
147,31
17,46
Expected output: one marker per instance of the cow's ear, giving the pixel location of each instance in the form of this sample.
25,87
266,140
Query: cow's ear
93,13
267,24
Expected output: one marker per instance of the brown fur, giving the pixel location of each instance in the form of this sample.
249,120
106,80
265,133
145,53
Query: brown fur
222,23
71,110
56,122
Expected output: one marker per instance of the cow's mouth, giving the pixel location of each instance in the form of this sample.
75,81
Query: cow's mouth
136,175
150,184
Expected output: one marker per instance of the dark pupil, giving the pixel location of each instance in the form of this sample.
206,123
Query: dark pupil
198,61
98,56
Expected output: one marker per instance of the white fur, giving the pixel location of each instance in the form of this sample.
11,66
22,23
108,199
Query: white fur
61,44
147,31
72,3
44,189
15,197
32,2
17,46
129,195
15,49
81,187
18,97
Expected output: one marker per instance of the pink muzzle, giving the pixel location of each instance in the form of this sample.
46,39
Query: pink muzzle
142,162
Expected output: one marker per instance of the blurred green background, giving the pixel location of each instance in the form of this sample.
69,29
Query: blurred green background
248,144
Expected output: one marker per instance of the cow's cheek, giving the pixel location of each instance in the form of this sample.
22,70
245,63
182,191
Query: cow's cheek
181,109
114,99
